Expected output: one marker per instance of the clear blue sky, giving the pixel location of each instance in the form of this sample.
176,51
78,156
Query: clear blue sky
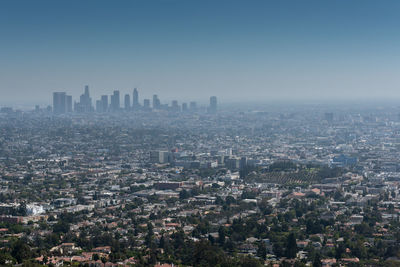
237,50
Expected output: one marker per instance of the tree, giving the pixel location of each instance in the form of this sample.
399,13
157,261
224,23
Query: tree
317,260
299,264
278,249
5,257
21,251
230,200
22,209
204,254
183,194
219,201
291,246
211,239
221,235
249,262
149,236
340,249
265,207
61,227
262,250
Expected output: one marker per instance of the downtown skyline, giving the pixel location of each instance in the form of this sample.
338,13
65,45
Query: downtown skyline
63,103
224,133
342,50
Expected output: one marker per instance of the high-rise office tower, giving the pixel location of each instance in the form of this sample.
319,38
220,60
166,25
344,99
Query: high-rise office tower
115,101
213,105
156,102
243,163
59,102
68,103
160,156
146,104
184,107
175,106
127,102
99,107
193,106
135,98
104,102
86,95
85,102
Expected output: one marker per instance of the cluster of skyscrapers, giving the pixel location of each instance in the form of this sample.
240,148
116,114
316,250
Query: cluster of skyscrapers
62,103
85,103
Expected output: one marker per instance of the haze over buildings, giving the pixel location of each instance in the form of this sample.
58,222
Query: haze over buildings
62,104
145,146
262,51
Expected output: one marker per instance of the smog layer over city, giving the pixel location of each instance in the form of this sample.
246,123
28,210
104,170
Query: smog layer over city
200,133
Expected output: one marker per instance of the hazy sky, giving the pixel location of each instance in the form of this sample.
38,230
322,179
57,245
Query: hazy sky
237,50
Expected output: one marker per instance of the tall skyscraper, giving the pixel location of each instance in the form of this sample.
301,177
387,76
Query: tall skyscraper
104,103
68,103
127,102
99,107
59,103
146,104
115,101
156,102
213,105
175,106
184,107
85,102
135,99
193,106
